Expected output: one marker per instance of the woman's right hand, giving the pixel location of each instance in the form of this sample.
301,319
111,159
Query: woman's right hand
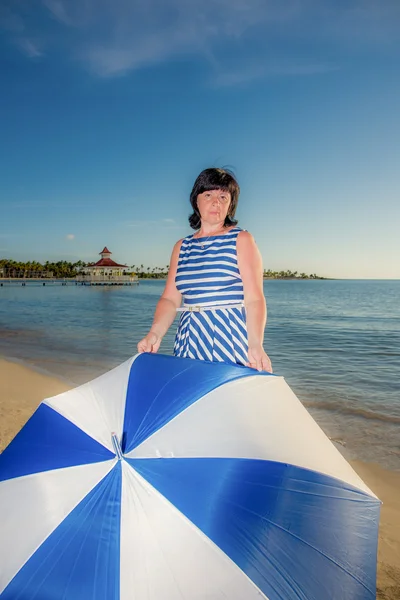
150,343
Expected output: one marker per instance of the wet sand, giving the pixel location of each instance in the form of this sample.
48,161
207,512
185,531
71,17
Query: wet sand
22,389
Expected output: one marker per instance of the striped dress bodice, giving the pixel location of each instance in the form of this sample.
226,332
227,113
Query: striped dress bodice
208,276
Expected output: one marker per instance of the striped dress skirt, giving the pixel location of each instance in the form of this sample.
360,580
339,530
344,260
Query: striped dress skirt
212,325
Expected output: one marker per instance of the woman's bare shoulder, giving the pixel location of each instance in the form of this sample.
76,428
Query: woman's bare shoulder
178,244
246,246
177,247
245,237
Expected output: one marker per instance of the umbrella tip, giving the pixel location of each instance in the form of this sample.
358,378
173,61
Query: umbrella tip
117,445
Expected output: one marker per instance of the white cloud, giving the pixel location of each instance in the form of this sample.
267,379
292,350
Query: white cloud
70,236
122,36
58,10
29,47
114,38
15,25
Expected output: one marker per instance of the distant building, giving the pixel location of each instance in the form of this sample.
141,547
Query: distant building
106,266
106,272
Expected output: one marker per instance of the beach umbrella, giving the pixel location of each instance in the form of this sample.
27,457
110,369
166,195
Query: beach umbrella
176,479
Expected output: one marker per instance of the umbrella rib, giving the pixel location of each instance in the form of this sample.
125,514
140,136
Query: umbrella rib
275,565
302,541
62,540
139,430
94,507
143,481
103,416
59,542
364,497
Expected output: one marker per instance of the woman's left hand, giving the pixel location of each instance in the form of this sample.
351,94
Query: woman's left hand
258,359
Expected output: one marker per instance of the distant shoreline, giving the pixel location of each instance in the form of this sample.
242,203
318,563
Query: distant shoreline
11,269
164,278
303,278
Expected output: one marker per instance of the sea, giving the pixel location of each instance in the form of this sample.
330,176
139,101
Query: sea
336,343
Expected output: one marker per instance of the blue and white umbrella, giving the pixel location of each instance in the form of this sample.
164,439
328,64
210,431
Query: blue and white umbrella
176,479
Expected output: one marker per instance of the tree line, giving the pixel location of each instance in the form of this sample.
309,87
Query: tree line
289,275
63,269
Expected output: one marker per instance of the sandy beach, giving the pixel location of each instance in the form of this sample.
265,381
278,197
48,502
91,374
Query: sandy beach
22,389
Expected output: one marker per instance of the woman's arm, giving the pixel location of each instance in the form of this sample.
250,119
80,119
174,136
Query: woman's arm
251,271
165,312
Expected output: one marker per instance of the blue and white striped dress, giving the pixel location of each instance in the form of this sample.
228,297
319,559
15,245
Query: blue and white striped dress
208,275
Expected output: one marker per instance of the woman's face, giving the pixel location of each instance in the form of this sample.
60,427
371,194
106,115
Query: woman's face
213,205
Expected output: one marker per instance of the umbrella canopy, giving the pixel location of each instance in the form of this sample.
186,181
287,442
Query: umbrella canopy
176,479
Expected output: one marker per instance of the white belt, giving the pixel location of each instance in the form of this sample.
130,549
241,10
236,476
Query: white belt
203,308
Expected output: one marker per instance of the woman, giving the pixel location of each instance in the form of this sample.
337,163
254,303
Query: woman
218,272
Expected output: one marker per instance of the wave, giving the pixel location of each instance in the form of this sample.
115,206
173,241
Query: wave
354,412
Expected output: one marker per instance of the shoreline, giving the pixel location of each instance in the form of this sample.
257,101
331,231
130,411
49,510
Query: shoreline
23,387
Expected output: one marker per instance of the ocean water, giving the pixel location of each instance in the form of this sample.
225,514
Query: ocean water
337,343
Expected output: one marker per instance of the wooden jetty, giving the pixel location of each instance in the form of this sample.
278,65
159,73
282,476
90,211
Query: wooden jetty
80,280
106,280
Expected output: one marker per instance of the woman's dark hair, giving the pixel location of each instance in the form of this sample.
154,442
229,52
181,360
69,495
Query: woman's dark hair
215,179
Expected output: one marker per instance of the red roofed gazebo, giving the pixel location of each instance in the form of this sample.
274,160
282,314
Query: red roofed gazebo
106,262
106,271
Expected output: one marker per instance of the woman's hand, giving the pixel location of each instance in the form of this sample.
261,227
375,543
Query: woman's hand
150,343
258,359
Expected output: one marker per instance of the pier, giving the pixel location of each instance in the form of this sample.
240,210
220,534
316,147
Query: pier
106,280
80,280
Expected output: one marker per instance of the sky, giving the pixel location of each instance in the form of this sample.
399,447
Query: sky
109,111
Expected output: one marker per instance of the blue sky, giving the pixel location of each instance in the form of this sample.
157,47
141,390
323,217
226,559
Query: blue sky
109,110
